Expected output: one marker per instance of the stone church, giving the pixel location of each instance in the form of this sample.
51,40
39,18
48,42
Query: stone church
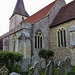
51,28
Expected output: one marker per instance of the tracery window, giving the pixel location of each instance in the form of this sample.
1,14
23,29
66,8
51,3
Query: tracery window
38,39
61,38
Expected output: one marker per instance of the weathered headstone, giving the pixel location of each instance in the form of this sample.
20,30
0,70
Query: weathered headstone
35,69
68,65
60,68
42,63
29,60
3,71
50,68
14,73
24,65
35,58
56,62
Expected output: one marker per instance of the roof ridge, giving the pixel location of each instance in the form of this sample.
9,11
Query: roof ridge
39,15
64,16
42,8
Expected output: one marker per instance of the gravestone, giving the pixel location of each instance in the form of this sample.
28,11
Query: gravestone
60,68
68,65
56,62
42,63
35,58
50,68
3,71
24,65
35,69
29,60
14,73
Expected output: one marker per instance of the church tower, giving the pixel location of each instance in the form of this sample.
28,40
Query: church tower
19,14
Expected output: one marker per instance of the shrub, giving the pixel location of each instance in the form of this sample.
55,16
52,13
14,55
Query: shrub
9,59
46,54
16,68
43,53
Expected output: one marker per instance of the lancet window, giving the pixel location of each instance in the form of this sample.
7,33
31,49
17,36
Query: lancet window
61,38
38,39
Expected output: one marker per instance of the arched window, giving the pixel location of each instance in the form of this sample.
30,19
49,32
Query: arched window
14,42
61,38
38,39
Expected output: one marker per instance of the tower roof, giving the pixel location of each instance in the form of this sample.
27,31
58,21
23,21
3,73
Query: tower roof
19,9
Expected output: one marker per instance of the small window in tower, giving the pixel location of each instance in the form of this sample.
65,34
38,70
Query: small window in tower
22,18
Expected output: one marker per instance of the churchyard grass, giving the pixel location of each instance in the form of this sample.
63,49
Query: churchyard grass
43,72
55,71
73,71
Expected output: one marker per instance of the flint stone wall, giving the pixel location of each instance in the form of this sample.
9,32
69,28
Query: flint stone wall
72,44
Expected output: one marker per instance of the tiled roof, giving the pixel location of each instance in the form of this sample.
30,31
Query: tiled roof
19,9
37,16
40,14
66,13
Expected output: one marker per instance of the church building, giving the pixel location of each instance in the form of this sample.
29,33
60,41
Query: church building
51,28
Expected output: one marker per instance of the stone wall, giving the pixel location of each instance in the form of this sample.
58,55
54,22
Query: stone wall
60,52
44,24
72,44
15,21
19,40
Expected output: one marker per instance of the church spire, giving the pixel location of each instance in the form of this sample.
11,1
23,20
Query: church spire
19,9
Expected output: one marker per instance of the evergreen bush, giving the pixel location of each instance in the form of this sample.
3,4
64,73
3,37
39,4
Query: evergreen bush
9,59
46,54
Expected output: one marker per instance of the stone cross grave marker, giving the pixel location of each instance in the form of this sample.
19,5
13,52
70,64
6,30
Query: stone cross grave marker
50,68
3,71
35,69
60,68
68,65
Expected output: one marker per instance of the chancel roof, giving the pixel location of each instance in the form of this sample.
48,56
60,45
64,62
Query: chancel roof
66,13
40,14
20,9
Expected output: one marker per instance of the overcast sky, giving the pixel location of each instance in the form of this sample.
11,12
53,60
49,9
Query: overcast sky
7,7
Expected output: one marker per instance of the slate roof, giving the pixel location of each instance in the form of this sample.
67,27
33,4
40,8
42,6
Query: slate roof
19,9
40,14
66,13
